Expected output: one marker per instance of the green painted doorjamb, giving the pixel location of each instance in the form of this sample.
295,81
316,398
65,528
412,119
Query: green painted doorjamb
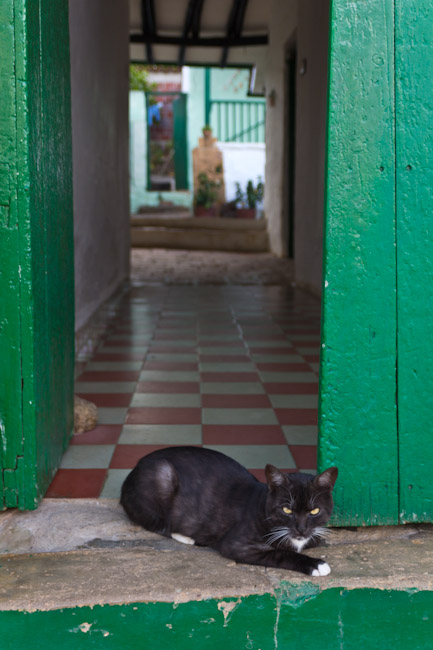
358,420
180,142
414,174
36,249
302,617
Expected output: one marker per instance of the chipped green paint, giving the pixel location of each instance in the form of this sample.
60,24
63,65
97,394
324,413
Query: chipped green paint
36,247
332,619
414,174
358,419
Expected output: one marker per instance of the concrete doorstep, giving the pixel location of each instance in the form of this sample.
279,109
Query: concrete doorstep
81,552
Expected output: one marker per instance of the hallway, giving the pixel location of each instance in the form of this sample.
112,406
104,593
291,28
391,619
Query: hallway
232,368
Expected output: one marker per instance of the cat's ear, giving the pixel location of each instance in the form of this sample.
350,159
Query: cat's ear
274,477
327,478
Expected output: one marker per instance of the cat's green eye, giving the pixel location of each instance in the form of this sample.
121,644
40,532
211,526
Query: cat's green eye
315,511
287,510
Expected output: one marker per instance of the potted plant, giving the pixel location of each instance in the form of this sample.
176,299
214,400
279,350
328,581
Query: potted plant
246,201
205,200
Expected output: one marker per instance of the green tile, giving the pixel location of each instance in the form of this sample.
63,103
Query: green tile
269,344
231,388
161,434
300,434
277,358
221,350
257,456
294,401
113,415
289,377
82,387
113,483
238,416
173,357
166,399
87,457
169,375
227,367
107,366
126,349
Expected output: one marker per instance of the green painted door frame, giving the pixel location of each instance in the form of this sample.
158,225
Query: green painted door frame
377,345
36,248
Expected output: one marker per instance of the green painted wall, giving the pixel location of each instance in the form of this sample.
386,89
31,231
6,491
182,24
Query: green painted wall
36,248
414,205
376,380
300,617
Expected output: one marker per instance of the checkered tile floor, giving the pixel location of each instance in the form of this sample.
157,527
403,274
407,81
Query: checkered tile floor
228,368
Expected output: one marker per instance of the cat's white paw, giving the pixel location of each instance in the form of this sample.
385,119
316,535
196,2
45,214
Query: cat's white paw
322,570
182,538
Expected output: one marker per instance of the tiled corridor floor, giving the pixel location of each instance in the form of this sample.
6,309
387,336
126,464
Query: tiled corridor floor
232,368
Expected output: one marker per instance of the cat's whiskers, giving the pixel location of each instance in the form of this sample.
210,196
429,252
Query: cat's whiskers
280,534
321,533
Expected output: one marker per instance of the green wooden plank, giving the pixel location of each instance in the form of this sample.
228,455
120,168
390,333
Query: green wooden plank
414,173
36,253
180,143
358,430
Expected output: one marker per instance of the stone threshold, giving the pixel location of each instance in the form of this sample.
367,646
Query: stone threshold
82,552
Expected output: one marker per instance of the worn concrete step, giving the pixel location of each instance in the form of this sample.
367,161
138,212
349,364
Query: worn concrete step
85,552
204,233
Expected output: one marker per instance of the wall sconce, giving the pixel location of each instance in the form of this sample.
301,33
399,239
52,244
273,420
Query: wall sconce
303,67
271,98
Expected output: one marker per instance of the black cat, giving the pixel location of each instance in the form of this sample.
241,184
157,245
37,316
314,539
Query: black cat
201,496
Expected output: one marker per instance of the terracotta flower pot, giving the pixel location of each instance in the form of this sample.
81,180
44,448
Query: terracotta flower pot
201,211
246,213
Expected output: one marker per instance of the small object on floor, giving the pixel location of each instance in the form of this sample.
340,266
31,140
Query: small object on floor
201,496
85,415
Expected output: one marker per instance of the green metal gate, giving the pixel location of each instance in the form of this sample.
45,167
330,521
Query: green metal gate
377,347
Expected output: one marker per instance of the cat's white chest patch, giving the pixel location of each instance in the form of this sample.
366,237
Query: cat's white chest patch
299,543
182,538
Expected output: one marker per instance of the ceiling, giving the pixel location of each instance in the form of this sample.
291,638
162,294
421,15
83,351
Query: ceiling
199,32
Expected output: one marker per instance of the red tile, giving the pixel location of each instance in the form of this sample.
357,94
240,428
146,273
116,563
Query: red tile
151,415
119,357
169,365
280,388
299,332
112,375
275,351
127,456
312,358
305,456
215,358
103,434
108,399
132,343
221,344
168,387
175,335
240,434
260,473
229,376
283,367
306,344
77,484
167,349
236,401
265,337
296,416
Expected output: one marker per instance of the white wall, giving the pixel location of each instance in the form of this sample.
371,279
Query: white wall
99,81
282,24
307,20
241,162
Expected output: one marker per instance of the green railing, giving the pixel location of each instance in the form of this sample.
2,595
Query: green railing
238,121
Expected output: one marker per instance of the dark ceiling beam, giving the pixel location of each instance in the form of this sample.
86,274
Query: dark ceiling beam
196,19
194,10
149,28
234,25
217,41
